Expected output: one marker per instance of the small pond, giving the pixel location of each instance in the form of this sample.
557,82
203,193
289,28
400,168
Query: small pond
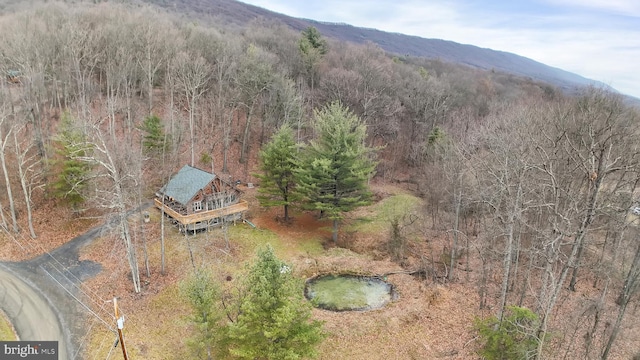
349,292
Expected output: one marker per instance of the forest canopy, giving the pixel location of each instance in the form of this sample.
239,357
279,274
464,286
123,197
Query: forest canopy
534,184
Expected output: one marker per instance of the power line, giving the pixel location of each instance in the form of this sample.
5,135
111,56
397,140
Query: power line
97,303
84,338
97,352
100,304
38,246
26,244
78,300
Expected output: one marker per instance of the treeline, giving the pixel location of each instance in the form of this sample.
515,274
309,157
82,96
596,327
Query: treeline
123,63
535,188
219,93
541,196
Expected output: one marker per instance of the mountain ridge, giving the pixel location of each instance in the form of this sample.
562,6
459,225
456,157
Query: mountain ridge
239,13
466,54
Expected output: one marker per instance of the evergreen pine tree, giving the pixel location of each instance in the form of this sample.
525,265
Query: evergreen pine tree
334,170
312,39
209,337
155,140
277,163
71,180
274,320
312,48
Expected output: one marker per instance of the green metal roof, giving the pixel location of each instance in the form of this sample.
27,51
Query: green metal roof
186,184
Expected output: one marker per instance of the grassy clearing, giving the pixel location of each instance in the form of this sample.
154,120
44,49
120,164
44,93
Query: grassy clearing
376,218
248,239
6,330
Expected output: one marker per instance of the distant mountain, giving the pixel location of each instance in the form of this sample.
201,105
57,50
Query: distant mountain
450,51
237,13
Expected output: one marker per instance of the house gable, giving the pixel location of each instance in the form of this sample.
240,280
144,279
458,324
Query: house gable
186,184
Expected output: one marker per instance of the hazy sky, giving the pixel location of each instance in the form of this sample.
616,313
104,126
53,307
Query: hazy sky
598,39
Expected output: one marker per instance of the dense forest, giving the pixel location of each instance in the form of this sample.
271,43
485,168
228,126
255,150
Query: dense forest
99,104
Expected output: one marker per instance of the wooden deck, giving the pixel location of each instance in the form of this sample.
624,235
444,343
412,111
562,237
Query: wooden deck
204,215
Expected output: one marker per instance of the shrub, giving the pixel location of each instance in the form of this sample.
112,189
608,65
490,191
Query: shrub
514,339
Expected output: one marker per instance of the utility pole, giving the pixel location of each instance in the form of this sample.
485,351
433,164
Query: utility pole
120,323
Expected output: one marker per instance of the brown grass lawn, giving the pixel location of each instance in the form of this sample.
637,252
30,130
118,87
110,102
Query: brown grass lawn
425,322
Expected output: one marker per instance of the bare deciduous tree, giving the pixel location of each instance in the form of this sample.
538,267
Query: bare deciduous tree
4,139
254,78
192,76
29,172
115,182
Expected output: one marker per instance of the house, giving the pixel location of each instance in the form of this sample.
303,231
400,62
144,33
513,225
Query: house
195,199
13,76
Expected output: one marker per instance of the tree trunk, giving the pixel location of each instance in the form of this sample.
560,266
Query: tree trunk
286,213
226,142
572,258
334,234
12,205
162,251
508,252
482,287
574,274
145,250
467,255
162,261
149,74
629,288
143,234
570,263
192,101
615,331
26,189
27,200
245,136
591,334
523,287
36,118
506,271
131,251
516,262
128,92
454,246
589,218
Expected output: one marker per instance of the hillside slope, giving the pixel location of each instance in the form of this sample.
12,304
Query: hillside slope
233,12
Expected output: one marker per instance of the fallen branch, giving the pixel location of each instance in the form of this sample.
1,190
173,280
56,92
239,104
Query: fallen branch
406,272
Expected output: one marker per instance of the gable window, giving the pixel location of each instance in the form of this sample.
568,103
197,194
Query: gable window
197,205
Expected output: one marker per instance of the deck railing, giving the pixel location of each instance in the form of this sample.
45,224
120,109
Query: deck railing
241,206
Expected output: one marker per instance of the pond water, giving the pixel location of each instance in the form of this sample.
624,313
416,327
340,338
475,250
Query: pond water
348,292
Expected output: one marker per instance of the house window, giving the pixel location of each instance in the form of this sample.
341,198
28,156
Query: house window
197,205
